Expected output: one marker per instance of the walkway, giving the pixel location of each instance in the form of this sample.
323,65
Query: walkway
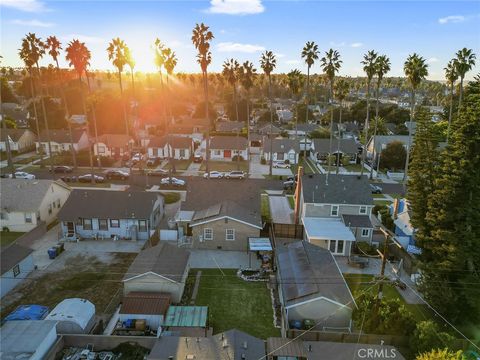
193,169
280,210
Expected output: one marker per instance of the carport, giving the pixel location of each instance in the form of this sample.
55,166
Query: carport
262,247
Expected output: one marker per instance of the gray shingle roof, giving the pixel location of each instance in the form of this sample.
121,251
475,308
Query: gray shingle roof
348,146
106,204
228,142
268,129
227,208
14,134
163,259
380,140
281,145
341,189
61,136
230,126
362,221
115,140
12,255
177,142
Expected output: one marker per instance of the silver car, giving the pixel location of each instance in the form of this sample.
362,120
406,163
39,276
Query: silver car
235,175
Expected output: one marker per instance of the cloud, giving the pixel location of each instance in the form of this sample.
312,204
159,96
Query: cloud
236,7
292,62
84,38
452,19
356,44
279,55
25,5
32,23
237,47
335,44
432,60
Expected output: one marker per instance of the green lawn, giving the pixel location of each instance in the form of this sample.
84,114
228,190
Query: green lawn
7,237
234,303
224,166
291,201
378,196
27,160
89,184
265,207
353,167
382,202
180,165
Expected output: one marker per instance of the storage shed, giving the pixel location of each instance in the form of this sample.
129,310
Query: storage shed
151,307
74,316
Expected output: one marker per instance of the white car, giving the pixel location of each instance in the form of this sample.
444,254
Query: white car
281,164
23,175
172,181
213,175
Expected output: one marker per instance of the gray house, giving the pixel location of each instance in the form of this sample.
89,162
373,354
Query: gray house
282,149
16,264
378,143
312,287
320,149
102,214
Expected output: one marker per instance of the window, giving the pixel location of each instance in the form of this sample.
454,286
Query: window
337,247
38,215
16,270
365,232
142,225
49,209
114,223
102,224
230,234
217,152
182,153
3,215
58,203
87,224
340,244
208,234
101,149
363,209
333,245
28,217
334,211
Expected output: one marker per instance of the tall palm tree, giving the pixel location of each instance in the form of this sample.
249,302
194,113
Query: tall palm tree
464,61
79,56
341,90
310,54
248,74
416,70
330,64
382,67
231,74
268,62
131,64
170,63
201,38
451,75
369,63
295,82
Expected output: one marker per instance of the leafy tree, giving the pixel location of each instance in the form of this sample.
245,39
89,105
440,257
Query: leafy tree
428,335
444,354
301,111
320,133
393,156
54,111
199,112
9,123
7,94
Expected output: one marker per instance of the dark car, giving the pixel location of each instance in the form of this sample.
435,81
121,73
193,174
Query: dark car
289,184
376,189
156,172
197,159
69,178
62,169
117,174
88,178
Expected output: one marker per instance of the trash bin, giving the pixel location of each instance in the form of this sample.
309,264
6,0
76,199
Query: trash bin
296,324
308,324
52,253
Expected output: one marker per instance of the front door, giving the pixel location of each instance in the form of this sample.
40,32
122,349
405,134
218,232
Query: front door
70,228
227,154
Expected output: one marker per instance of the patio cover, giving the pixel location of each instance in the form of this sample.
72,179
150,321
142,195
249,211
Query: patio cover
259,244
327,229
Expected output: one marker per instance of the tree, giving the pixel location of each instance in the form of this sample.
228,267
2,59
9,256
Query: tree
393,156
268,62
444,354
231,74
201,38
416,70
310,54
342,89
428,335
248,73
464,61
320,133
451,75
7,94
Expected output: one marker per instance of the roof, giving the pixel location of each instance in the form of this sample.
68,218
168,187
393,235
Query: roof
348,146
268,129
360,221
14,134
20,339
230,126
98,204
310,272
24,195
228,209
28,312
12,255
228,142
145,303
381,140
165,260
327,229
188,316
281,145
341,189
259,244
307,127
14,111
61,136
177,142
79,311
115,140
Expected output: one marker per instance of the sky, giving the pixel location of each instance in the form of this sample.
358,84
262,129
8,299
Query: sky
243,29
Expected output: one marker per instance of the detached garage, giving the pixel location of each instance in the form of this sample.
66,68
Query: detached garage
74,316
150,307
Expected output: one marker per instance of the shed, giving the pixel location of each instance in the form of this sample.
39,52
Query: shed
28,312
143,305
74,316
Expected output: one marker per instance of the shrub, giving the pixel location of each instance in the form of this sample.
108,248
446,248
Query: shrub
366,248
237,157
377,208
263,161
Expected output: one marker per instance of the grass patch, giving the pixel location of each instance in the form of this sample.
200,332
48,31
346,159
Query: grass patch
353,167
27,160
265,208
180,165
378,196
236,304
171,197
291,201
382,202
89,184
8,237
224,165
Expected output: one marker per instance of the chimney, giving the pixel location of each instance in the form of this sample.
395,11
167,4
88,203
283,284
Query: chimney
298,191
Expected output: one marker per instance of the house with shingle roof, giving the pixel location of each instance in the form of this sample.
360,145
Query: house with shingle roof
282,149
177,147
60,140
18,113
230,126
320,149
24,204
227,148
16,263
378,143
21,140
113,145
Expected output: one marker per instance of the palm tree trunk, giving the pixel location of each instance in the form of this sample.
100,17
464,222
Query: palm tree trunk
461,95
99,162
32,90
248,135
7,145
365,130
207,115
377,104
412,112
235,100
271,123
308,93
84,104
450,112
331,131
125,118
339,139
47,130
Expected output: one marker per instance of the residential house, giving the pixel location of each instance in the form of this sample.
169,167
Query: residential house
17,113
284,115
17,263
320,149
188,127
90,214
113,145
312,287
148,306
27,203
282,149
268,130
346,130
227,148
60,140
378,143
404,231
177,147
162,268
233,127
322,206
20,140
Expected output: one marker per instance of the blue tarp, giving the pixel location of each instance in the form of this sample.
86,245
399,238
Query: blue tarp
28,312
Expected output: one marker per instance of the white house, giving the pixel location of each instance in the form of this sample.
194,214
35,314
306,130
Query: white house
282,149
227,148
60,141
113,145
21,140
26,203
177,147
17,263
73,316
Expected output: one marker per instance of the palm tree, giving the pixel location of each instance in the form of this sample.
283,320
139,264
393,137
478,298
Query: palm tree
310,54
416,70
369,63
382,67
79,56
231,73
201,37
451,75
295,82
268,62
341,90
131,64
330,64
247,78
464,62
170,63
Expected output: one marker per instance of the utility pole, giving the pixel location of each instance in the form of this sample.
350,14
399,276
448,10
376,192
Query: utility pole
384,262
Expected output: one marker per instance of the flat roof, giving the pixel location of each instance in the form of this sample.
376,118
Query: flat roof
20,339
186,316
327,229
259,244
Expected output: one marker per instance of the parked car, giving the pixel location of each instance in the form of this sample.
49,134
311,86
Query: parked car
69,178
156,172
22,175
289,184
172,181
281,164
213,175
197,159
293,177
235,175
137,157
376,189
117,174
88,177
153,161
62,169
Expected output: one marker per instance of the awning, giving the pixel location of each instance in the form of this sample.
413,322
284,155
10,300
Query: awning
327,229
259,244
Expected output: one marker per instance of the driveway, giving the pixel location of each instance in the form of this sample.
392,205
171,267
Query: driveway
257,170
280,210
213,259
192,170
